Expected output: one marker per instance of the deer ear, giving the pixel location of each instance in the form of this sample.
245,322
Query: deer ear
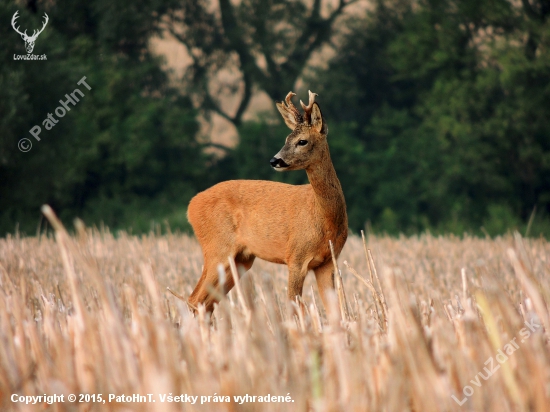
317,121
288,116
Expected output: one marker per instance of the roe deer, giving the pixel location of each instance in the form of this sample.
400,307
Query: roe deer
277,222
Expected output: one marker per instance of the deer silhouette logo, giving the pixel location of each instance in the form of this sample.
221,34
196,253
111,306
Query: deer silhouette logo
29,40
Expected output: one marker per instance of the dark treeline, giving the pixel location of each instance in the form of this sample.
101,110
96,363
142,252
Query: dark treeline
439,111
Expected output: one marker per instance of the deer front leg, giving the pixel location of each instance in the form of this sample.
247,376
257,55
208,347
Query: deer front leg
296,278
324,275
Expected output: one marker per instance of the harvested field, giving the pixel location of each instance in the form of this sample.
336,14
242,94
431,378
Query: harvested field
449,325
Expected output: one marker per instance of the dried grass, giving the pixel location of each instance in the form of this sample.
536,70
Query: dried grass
419,318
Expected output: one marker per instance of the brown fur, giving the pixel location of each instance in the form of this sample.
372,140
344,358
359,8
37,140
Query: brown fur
276,222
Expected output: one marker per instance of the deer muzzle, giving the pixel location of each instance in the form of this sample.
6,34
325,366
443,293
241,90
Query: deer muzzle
278,163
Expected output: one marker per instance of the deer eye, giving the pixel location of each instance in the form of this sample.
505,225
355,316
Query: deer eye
302,142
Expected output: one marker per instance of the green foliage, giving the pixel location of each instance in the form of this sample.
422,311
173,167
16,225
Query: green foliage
437,109
126,153
500,218
451,104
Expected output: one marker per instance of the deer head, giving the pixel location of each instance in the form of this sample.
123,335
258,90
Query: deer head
307,144
29,40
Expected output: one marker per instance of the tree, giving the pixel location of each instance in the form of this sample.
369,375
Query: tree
126,153
537,12
268,42
450,101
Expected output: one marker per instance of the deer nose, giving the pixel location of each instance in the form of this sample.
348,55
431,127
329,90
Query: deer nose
275,162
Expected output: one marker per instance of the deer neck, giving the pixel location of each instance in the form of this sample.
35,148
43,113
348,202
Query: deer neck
329,197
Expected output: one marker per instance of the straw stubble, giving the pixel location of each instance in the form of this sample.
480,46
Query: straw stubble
415,321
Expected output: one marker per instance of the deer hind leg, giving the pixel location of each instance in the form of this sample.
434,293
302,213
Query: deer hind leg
201,294
210,280
214,254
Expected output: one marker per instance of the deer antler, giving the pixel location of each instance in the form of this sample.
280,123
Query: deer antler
307,109
297,115
13,19
35,32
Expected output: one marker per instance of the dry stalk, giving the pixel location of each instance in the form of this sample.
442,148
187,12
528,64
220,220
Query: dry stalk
86,314
375,295
240,295
342,301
